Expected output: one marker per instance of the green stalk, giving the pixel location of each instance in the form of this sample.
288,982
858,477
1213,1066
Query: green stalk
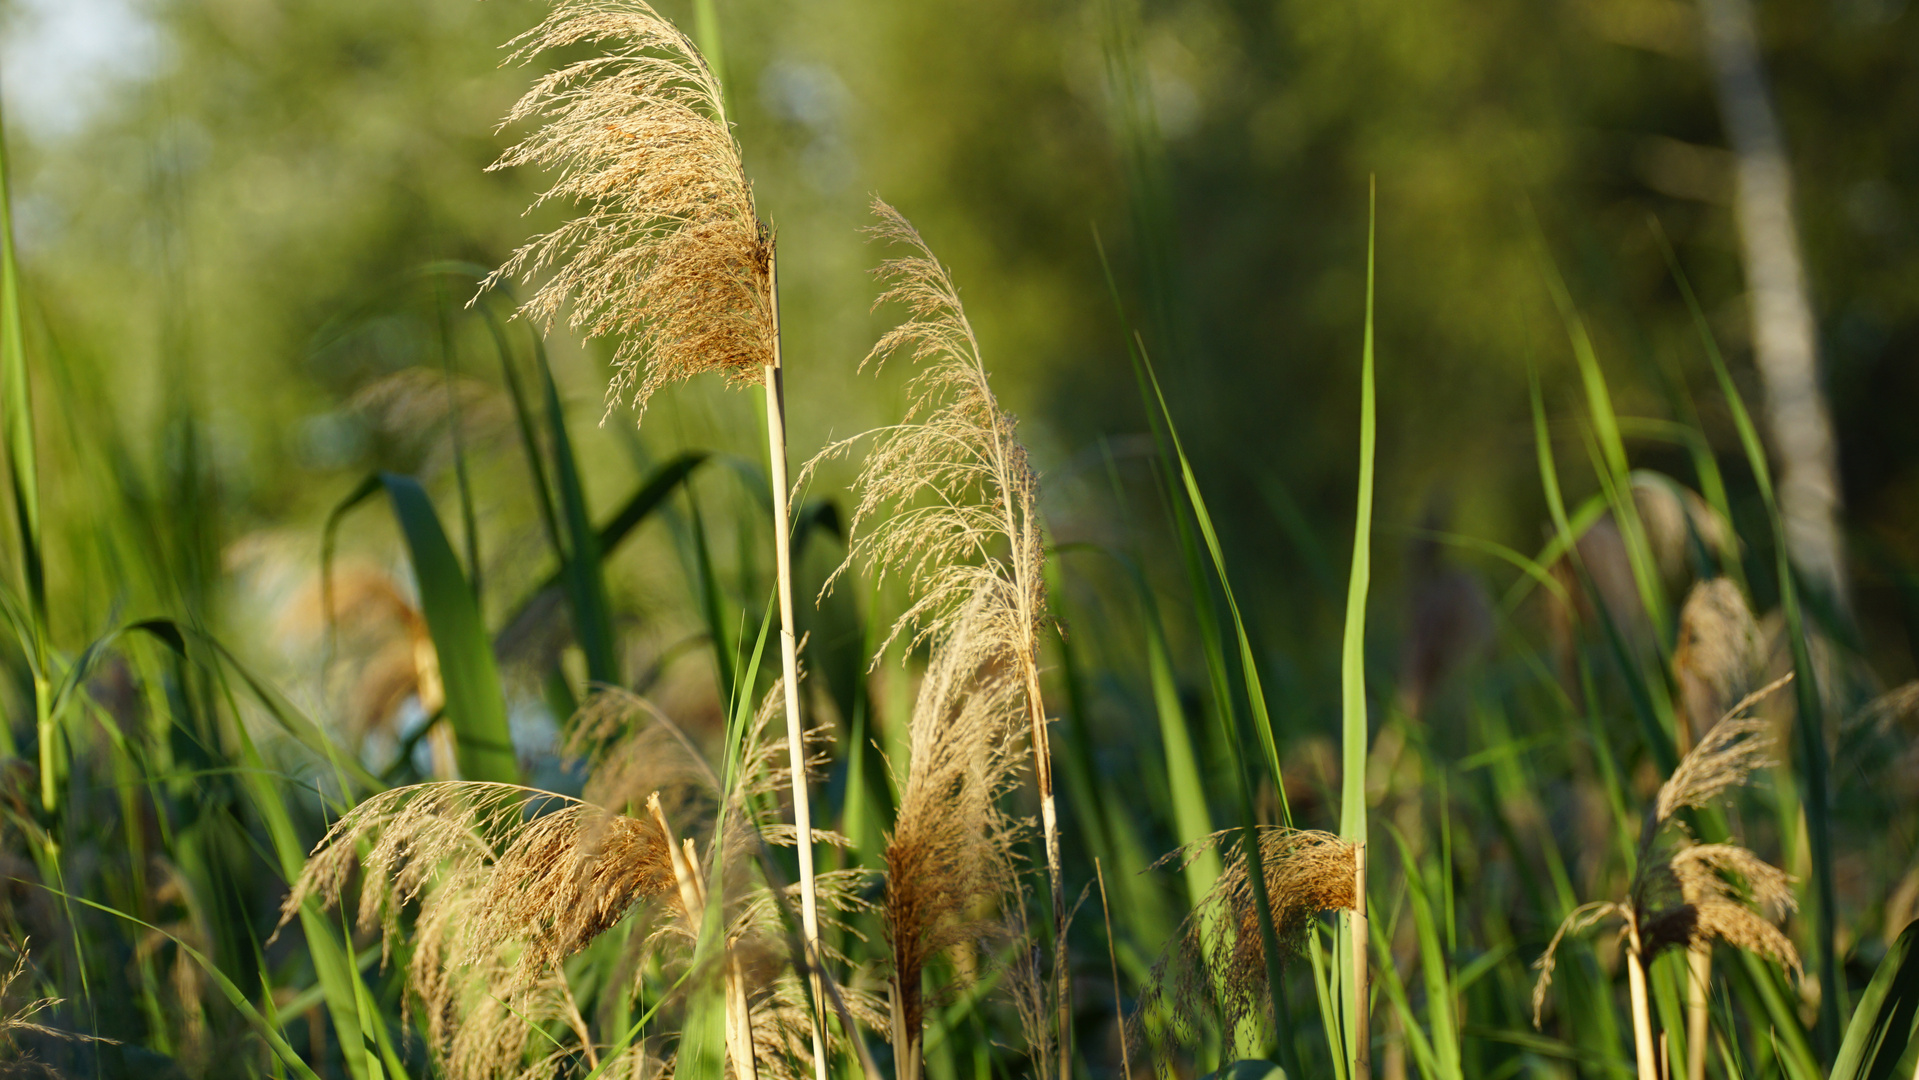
24,472
1352,688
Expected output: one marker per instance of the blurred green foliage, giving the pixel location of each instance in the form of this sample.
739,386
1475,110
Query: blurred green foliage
240,225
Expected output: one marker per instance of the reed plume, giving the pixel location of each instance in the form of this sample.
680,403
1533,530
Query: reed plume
946,503
1697,894
1718,651
668,256
17,1017
1216,966
950,856
509,881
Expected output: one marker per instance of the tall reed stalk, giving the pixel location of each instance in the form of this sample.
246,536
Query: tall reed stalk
946,501
671,255
789,656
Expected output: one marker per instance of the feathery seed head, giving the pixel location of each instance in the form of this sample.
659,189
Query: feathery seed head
1723,892
1736,746
951,851
945,498
1217,964
668,253
1719,650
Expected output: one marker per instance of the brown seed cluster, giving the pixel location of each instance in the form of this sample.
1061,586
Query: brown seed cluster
1699,893
949,859
668,255
1216,968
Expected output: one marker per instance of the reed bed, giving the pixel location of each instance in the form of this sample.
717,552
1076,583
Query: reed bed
719,866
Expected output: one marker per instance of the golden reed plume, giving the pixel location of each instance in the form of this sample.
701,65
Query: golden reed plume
1697,894
950,857
946,504
668,255
1215,969
509,881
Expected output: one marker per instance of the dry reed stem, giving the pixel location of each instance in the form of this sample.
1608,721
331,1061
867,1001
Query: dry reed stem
668,254
1216,966
1112,956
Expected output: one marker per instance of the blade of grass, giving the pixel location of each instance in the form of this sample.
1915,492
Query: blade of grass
586,581
1617,470
475,707
1433,967
1352,687
469,520
233,994
1883,1025
1185,517
23,472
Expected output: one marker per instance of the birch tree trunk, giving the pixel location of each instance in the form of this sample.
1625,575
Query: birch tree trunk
1784,332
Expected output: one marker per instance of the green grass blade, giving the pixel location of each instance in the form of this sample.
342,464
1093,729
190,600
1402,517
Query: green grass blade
526,422
1616,469
1882,1026
475,706
1249,668
1422,1047
233,994
1172,457
22,458
469,520
641,505
1352,655
1433,968
23,472
586,579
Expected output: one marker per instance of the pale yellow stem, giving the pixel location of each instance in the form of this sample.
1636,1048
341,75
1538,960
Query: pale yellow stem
1362,1033
739,1021
1698,1015
1641,1012
790,671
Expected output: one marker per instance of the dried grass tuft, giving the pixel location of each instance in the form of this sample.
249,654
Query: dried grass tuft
1216,967
668,254
1736,746
1719,651
1701,893
516,866
1581,919
503,883
18,1019
946,497
950,856
1719,887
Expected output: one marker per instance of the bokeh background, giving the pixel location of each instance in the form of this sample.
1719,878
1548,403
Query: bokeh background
225,206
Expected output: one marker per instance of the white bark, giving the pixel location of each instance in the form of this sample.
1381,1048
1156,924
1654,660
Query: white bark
1784,333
